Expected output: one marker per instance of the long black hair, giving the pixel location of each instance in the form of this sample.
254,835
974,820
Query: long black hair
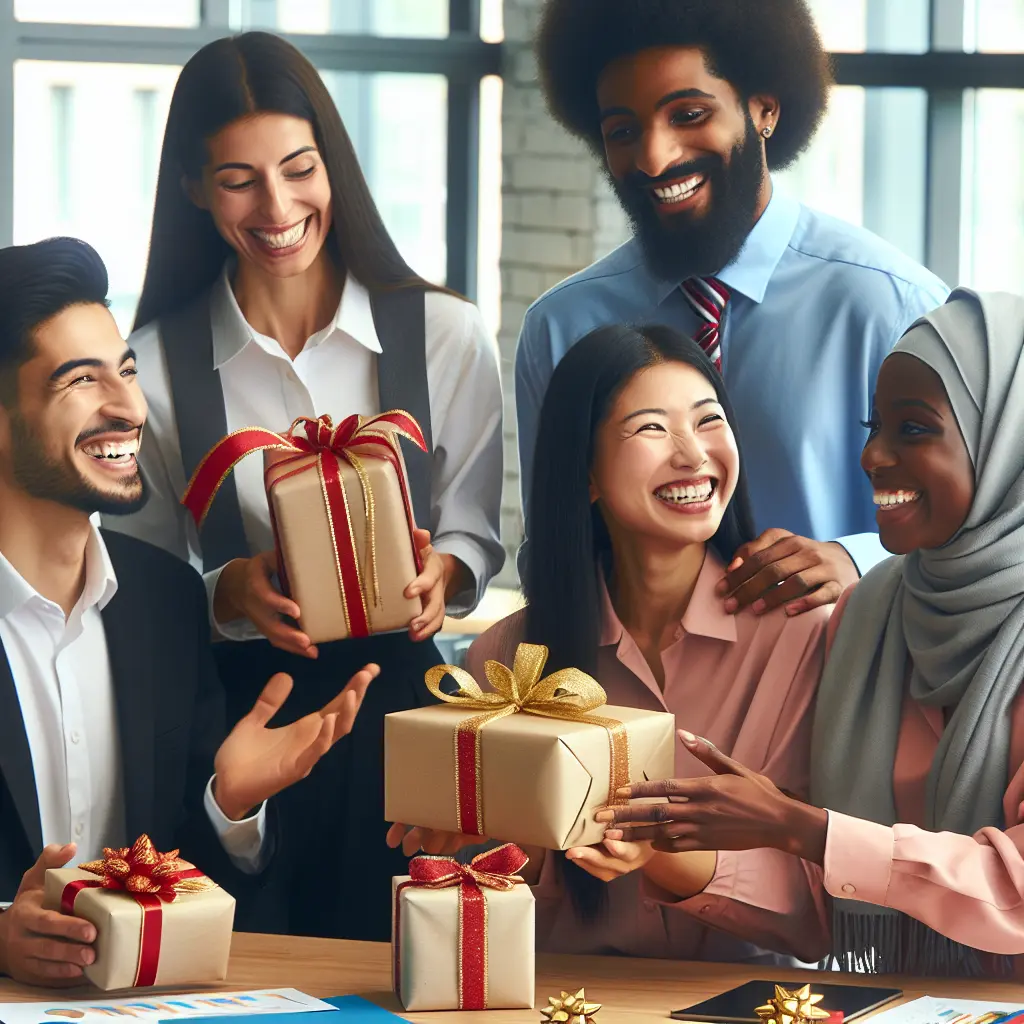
568,539
226,80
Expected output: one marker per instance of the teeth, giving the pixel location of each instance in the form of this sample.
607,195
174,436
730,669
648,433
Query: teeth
112,449
682,494
678,192
282,239
890,499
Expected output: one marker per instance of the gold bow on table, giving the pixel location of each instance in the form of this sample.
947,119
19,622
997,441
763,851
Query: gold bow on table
796,1007
567,694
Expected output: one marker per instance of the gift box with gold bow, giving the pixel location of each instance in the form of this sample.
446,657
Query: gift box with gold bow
462,935
159,920
342,517
527,762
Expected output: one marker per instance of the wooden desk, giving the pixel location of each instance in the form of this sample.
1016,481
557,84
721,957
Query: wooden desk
631,990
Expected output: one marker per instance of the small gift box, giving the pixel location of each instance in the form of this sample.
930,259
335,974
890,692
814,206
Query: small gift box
159,921
342,518
462,935
476,765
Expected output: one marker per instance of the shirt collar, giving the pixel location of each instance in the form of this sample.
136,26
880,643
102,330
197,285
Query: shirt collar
752,268
705,615
232,332
100,580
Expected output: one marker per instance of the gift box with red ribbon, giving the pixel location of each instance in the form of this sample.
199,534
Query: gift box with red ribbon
159,920
341,513
463,934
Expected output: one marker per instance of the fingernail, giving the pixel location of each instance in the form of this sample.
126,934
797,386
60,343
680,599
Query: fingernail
622,792
613,833
721,587
735,564
731,605
604,816
758,606
687,737
88,956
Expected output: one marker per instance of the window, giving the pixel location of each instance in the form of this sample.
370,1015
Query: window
170,13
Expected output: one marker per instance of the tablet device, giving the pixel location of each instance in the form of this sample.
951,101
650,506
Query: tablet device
737,1005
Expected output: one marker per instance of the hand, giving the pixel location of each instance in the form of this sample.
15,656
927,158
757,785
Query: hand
44,947
254,763
781,568
412,839
430,587
735,809
611,859
245,591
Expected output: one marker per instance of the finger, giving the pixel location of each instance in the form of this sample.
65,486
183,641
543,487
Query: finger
51,972
433,572
421,538
56,951
50,924
770,567
286,637
827,593
412,843
593,862
666,788
395,835
656,833
269,702
644,812
429,621
707,753
356,686
306,761
620,850
53,856
800,583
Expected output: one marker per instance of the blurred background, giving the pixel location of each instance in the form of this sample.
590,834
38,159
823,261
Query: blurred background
923,143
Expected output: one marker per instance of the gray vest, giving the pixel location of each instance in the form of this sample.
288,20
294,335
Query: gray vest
199,404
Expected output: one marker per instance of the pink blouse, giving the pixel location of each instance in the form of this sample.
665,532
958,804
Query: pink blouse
969,888
747,683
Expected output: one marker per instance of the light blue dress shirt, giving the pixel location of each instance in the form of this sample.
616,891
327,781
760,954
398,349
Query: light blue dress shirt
816,306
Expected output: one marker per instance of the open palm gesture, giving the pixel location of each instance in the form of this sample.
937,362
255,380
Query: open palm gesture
256,762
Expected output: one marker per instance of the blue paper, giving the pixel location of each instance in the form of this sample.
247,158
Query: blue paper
350,1010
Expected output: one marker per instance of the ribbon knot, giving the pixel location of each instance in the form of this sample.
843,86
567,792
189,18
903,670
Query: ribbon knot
568,694
496,869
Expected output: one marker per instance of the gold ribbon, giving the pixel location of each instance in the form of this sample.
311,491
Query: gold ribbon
568,694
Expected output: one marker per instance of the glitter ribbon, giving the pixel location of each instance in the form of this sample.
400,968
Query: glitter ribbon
353,439
151,879
568,694
496,869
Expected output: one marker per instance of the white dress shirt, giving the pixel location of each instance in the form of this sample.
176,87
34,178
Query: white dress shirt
61,672
334,374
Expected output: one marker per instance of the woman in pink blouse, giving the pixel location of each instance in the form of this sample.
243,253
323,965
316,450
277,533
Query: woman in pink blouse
918,747
640,503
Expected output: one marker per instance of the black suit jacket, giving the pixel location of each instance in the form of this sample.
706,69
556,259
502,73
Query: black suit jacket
170,708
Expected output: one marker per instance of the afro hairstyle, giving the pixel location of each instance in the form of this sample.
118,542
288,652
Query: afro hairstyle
761,47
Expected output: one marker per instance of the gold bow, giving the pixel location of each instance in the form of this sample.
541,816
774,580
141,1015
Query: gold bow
567,694
796,1007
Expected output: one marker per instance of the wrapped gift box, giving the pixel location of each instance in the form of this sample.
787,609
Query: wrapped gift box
428,939
540,779
191,945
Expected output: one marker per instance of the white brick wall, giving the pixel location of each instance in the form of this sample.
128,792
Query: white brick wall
558,216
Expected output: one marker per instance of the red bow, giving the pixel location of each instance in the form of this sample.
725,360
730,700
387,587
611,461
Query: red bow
496,869
354,438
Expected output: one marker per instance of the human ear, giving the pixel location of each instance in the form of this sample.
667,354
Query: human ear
765,113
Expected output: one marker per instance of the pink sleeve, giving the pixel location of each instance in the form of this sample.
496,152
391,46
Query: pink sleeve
968,888
767,896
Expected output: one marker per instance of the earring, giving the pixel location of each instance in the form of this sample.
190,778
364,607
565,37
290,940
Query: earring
766,131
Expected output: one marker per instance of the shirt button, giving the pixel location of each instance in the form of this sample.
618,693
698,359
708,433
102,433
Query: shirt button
849,888
75,736
79,829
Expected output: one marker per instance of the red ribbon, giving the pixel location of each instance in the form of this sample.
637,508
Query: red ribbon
151,879
353,438
496,869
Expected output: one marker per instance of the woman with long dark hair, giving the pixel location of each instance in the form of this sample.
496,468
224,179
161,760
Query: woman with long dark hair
639,504
274,291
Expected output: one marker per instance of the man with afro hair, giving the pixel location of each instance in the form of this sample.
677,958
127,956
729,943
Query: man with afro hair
690,105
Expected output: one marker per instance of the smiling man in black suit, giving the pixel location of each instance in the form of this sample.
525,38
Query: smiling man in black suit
111,712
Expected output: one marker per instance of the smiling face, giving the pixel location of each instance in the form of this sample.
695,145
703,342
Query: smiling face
916,458
665,460
266,188
685,157
75,431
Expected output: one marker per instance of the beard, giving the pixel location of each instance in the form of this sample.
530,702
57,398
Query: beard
48,479
684,244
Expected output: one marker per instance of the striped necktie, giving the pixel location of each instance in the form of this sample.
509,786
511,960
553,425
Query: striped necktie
707,296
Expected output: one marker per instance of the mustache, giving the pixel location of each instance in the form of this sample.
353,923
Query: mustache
702,165
109,427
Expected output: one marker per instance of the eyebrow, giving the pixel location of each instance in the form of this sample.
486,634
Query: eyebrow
678,94
916,403
249,167
663,412
92,364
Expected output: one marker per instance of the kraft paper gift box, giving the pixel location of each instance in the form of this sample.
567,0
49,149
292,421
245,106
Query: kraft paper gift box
463,935
342,518
178,933
535,772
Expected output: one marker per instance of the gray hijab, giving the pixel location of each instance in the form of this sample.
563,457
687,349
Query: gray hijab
958,613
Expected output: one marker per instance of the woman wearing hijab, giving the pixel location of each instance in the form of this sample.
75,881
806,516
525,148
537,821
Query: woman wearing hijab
917,769
274,291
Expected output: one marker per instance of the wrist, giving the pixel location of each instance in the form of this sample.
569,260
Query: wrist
804,831
225,605
229,807
456,575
